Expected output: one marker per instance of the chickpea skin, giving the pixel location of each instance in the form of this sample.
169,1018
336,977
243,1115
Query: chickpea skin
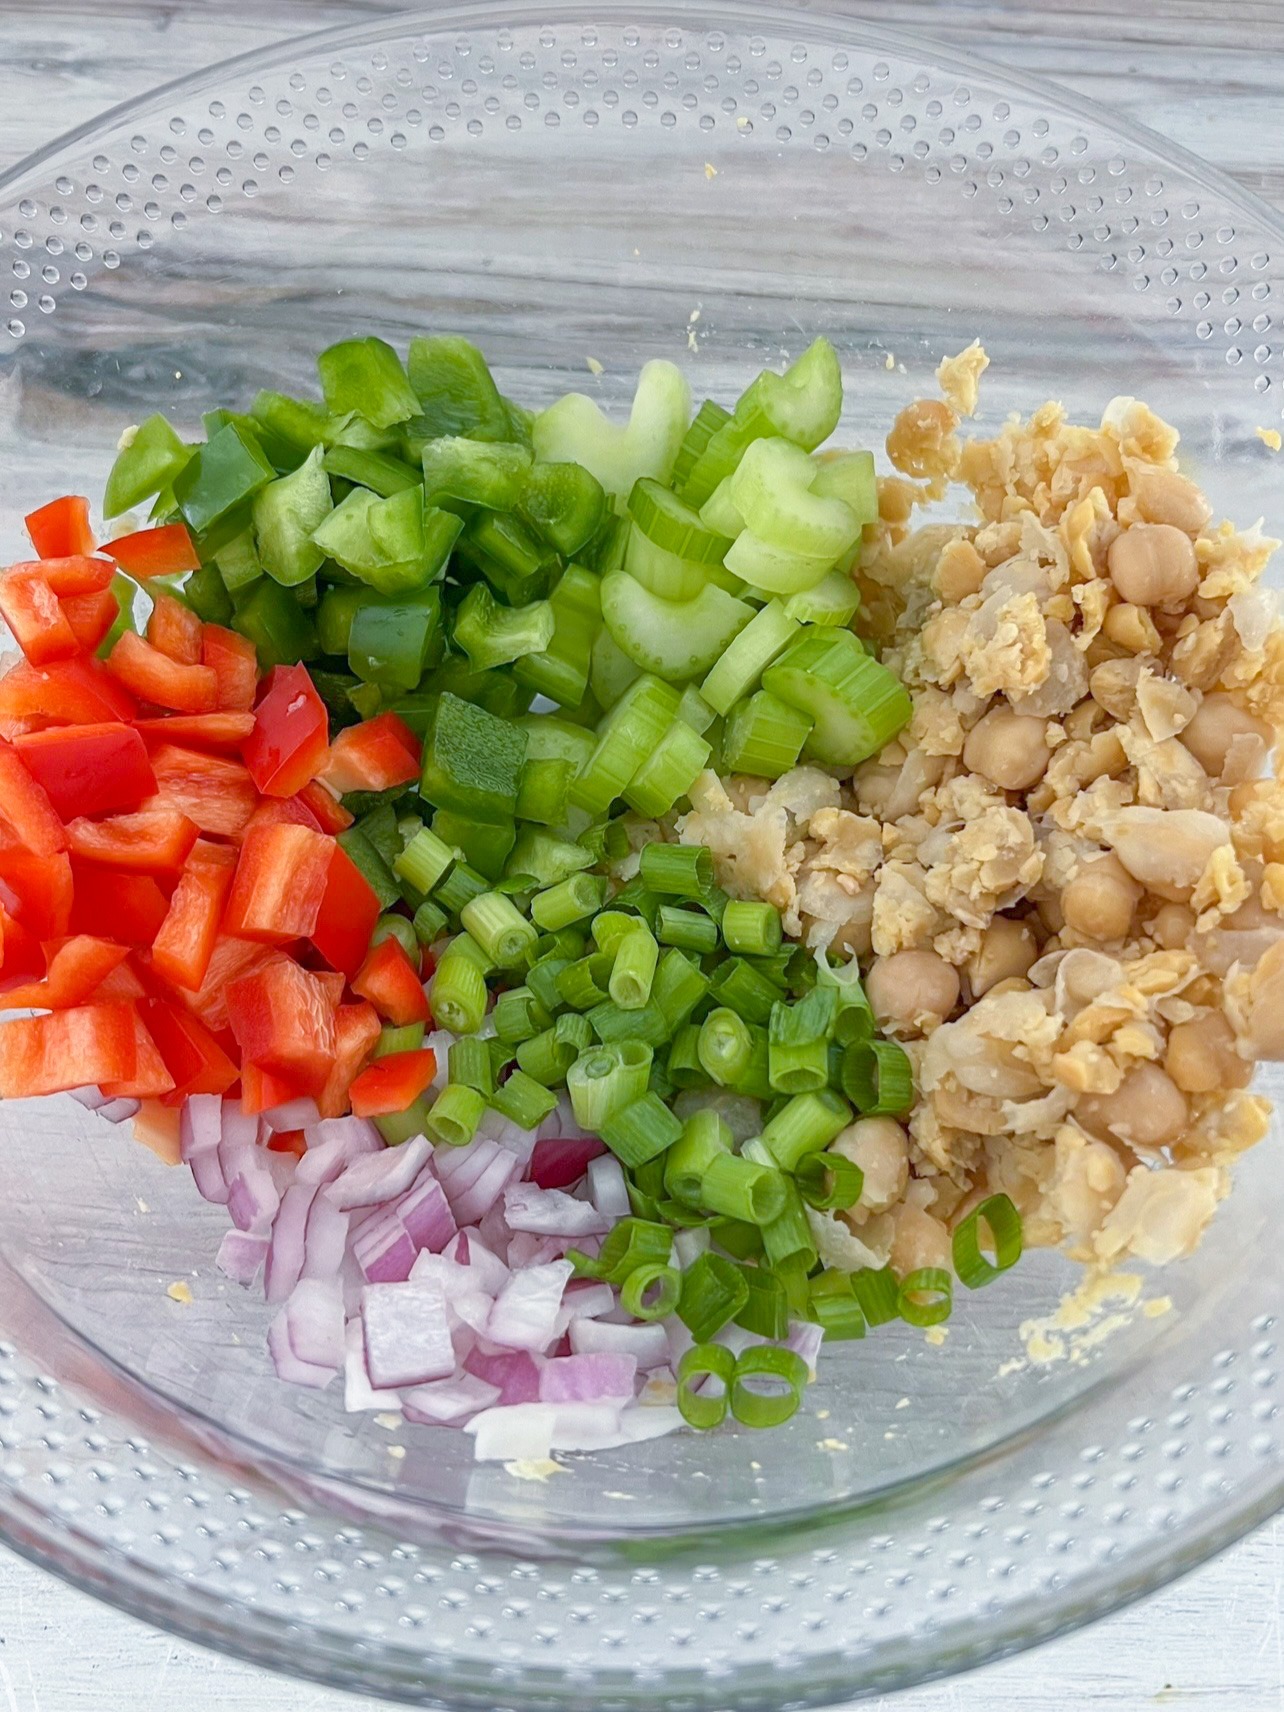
1153,563
1172,926
1099,901
1006,951
919,1240
912,988
1009,749
1218,725
1146,1110
1201,1056
1162,496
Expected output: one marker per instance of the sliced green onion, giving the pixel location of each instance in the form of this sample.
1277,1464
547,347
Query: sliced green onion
501,930
689,929
854,1016
542,978
830,1182
678,988
1003,1229
611,1023
832,1303
548,1056
799,1042
676,870
683,1063
396,1127
640,1131
804,1125
705,1137
462,883
583,984
636,1297
751,929
469,1064
926,1296
430,922
699,1408
523,1100
878,1077
519,1016
725,1046
629,1244
767,634
766,1312
746,990
737,1188
571,900
633,971
713,1293
756,1405
636,896
789,1234
878,1293
458,992
611,927
606,1079
408,1038
424,861
454,1115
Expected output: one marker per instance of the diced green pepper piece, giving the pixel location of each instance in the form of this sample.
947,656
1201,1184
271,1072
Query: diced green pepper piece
125,590
223,474
392,544
392,637
286,512
382,474
290,427
565,503
493,635
456,391
518,565
372,866
335,611
279,628
205,593
153,458
472,762
486,846
459,473
238,562
366,375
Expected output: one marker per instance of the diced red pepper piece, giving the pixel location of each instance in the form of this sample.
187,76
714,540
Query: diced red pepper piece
283,1023
333,984
175,630
391,1084
61,527
291,1141
25,807
78,692
132,905
152,841
390,981
156,1125
149,1078
261,1090
204,730
21,953
195,1060
74,574
153,676
66,1049
356,1033
163,551
214,791
234,663
229,959
373,756
90,616
87,769
284,811
122,986
184,943
77,969
30,608
329,812
348,913
289,741
36,891
280,883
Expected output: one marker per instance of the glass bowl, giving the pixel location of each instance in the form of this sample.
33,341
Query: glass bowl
717,186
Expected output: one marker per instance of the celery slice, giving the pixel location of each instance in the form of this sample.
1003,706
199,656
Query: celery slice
574,430
856,703
676,640
772,490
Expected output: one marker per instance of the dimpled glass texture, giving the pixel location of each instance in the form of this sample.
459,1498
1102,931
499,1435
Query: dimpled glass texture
717,187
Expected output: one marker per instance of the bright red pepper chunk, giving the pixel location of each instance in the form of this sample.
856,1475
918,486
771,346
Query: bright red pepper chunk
289,741
391,1084
153,676
194,1059
235,665
175,630
261,1090
230,959
152,841
77,969
25,807
373,756
348,913
328,811
31,610
356,1033
133,905
280,883
88,769
390,981
185,941
61,527
91,616
75,692
163,551
214,791
36,891
150,1078
205,730
284,1023
67,1049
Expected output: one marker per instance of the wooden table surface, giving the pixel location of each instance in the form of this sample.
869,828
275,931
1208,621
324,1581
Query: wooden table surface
1208,73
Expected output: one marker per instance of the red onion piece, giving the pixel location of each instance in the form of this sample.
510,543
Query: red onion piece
383,1249
487,1271
689,1245
294,1114
325,1240
475,1177
585,1299
333,1145
492,1228
240,1254
551,1212
90,1097
562,1122
531,1431
494,1126
525,1311
426,1215
591,1378
513,1372
252,1194
200,1129
449,1402
559,1161
526,1249
118,1110
805,1340
373,1181
607,1188
407,1334
286,1251
646,1344
307,1337
358,1393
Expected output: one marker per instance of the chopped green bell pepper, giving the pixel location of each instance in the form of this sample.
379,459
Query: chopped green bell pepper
472,761
277,625
223,474
460,473
286,512
153,458
366,375
456,392
392,637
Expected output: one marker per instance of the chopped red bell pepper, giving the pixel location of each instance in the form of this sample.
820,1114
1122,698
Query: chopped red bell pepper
153,676
77,969
234,663
122,986
348,913
289,741
280,883
36,891
90,616
163,551
291,1141
391,1084
214,791
156,1125
284,811
149,1078
229,959
25,806
151,841
75,574
261,1090
66,1049
332,983
283,1023
373,756
21,953
195,1060
133,905
205,730
356,1033
175,630
61,527
390,981
30,608
184,943
78,692
87,769
329,812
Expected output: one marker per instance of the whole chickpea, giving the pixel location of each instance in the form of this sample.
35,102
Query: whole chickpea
912,988
1007,950
1162,496
1171,926
1201,1056
881,1148
1099,901
1153,563
1146,1110
1009,749
1216,726
919,1240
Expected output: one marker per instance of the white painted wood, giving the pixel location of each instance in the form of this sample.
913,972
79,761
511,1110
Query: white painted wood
1209,73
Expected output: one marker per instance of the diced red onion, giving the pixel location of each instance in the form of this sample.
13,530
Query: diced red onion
805,1339
383,1249
118,1110
737,1339
652,1421
531,1431
426,1215
294,1114
465,1302
646,1344
252,1194
558,1161
526,1249
689,1245
287,1364
551,1212
358,1393
494,1126
407,1333
240,1254
286,1250
440,1042
514,1372
333,1145
326,1239
493,1230
475,1177
200,1129
561,1122
607,1188
680,1339
381,1177
589,1378
91,1098
488,1272
525,1311
307,1337
585,1299
449,1402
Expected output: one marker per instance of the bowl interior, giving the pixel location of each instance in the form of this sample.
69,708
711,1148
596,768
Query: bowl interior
566,195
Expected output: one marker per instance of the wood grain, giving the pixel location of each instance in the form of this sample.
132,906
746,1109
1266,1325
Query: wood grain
1211,81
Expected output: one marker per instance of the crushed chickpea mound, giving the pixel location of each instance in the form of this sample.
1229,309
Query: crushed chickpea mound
1065,879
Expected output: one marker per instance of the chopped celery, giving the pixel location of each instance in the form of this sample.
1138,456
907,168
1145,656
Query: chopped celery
285,514
626,736
764,736
610,670
834,600
551,739
856,703
664,520
775,570
720,510
664,573
705,424
668,771
574,430
804,403
772,491
676,640
766,635
849,476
